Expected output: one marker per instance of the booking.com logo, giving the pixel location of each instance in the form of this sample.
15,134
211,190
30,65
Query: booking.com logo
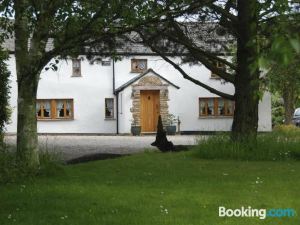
260,213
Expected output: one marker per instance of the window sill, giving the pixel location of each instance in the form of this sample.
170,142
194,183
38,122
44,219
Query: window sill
62,119
109,119
215,117
137,71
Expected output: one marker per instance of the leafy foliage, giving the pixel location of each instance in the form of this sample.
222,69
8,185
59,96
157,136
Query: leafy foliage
284,79
4,94
277,110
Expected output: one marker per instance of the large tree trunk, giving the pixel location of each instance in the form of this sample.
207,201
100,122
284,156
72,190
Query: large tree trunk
28,75
245,120
27,141
288,101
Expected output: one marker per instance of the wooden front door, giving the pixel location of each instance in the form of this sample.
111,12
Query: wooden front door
150,110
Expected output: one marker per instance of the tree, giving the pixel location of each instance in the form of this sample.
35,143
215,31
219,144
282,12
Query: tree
4,94
283,59
72,27
242,22
285,80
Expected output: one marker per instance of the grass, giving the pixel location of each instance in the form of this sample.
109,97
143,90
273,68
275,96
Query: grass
153,189
282,144
11,171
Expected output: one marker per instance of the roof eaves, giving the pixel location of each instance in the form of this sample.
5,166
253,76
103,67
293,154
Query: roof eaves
122,87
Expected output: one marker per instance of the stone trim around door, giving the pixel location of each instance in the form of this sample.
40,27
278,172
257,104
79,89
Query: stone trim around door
149,83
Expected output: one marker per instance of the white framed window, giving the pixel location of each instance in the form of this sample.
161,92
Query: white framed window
76,68
109,108
138,65
215,107
54,109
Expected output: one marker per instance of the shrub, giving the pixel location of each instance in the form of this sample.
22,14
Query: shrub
270,146
277,109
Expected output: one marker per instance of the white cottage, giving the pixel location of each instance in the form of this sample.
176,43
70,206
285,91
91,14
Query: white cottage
108,96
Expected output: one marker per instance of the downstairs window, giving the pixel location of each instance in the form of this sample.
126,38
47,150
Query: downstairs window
215,107
54,109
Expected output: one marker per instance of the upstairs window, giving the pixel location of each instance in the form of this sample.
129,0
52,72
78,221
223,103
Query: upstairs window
76,68
138,65
220,66
109,108
215,107
54,109
105,63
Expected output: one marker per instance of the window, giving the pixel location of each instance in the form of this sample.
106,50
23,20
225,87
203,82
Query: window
54,109
109,108
105,62
43,109
76,68
219,65
138,65
215,107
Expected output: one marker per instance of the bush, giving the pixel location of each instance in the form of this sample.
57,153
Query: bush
281,145
277,110
11,171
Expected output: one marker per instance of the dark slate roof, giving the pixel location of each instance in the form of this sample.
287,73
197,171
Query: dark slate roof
9,44
122,87
204,35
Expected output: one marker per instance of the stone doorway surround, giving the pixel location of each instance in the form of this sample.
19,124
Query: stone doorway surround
150,82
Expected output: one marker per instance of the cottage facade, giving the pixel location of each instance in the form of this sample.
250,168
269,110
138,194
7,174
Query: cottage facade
108,96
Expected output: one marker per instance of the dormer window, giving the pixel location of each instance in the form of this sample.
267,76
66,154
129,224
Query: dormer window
76,66
138,65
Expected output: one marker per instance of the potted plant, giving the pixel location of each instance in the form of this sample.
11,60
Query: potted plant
171,124
135,128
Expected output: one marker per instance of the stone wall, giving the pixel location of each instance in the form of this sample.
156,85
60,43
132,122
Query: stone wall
149,83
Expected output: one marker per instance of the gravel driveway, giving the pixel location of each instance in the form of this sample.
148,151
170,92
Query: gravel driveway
75,146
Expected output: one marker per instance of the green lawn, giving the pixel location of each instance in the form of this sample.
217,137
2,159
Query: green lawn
153,188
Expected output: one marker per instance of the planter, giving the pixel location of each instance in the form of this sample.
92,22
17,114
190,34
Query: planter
136,130
171,130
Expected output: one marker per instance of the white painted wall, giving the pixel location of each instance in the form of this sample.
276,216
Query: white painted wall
90,90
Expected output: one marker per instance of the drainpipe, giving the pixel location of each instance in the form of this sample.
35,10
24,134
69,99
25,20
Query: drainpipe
114,79
117,97
117,111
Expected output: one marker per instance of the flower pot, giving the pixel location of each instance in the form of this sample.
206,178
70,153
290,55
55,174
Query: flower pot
171,130
136,130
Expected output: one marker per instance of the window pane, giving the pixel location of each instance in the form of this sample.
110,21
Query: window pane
109,108
138,65
76,67
202,108
38,109
221,107
47,109
60,105
68,108
229,108
210,108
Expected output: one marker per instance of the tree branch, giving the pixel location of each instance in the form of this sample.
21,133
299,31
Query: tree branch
186,76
